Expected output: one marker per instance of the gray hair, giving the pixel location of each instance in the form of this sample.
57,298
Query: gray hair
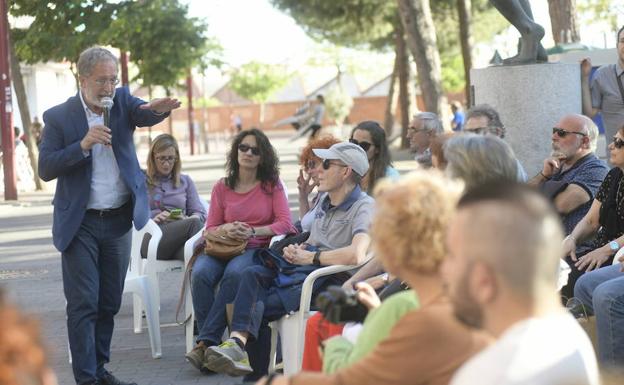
91,56
592,132
478,159
430,122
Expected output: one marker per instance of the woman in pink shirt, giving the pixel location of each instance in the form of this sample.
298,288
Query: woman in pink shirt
249,203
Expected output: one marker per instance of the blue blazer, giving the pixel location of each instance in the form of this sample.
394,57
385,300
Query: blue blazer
61,157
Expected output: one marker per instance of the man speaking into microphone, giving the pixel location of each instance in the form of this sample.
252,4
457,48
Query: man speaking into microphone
87,146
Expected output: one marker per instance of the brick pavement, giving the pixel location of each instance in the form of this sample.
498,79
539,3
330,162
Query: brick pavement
30,271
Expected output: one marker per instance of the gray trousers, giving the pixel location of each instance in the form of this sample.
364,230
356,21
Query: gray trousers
174,235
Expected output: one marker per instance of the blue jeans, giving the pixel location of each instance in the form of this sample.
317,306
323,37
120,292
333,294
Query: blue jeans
94,270
209,308
603,290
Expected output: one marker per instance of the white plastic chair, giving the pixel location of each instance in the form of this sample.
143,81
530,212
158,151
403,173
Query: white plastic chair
140,285
291,327
617,256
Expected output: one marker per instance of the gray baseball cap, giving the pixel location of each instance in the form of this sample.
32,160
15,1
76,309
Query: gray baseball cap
351,154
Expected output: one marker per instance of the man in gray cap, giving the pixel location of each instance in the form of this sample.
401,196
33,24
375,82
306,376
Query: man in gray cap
338,236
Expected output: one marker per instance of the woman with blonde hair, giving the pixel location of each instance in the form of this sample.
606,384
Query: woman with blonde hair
174,203
427,343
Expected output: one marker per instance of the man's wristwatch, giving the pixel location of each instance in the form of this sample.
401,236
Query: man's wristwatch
614,246
316,260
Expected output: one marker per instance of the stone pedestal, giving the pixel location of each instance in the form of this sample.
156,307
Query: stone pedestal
530,100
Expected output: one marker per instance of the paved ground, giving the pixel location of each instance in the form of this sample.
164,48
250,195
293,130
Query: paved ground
30,271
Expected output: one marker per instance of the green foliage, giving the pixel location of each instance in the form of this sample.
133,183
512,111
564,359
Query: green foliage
338,104
257,81
603,10
60,29
352,23
163,41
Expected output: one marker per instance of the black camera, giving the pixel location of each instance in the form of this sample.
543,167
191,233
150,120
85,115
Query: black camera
340,306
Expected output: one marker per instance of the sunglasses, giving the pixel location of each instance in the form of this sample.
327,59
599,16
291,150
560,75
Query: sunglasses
244,148
618,143
365,145
563,133
327,164
311,164
168,159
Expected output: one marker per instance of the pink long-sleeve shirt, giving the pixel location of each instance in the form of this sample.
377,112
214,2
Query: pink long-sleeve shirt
256,208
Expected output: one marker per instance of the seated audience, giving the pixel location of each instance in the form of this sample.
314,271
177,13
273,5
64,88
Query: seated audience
603,224
339,235
249,203
501,274
23,359
423,128
412,337
483,119
476,159
174,203
602,289
372,138
307,180
572,174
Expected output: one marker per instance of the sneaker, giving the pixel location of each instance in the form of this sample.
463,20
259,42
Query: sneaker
227,358
196,356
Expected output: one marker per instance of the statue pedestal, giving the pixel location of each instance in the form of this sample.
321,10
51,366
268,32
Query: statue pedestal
530,100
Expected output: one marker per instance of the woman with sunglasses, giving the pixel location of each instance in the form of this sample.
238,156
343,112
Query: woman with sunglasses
174,203
249,204
372,138
604,221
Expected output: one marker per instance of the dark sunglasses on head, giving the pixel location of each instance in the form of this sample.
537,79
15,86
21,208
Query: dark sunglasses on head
364,145
245,147
327,164
562,133
618,143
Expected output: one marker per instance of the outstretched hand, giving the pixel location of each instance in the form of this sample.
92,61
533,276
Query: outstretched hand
161,105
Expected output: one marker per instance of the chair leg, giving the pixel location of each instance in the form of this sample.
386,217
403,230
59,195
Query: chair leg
188,313
153,319
137,310
289,333
273,355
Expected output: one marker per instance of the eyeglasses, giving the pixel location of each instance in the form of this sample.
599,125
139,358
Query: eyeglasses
168,158
563,133
327,164
102,82
365,145
618,143
244,148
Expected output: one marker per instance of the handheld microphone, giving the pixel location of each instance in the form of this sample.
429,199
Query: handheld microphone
107,104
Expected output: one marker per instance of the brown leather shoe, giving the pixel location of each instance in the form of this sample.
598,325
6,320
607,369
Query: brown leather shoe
196,356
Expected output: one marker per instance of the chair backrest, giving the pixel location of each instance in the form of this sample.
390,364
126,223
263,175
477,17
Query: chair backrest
137,240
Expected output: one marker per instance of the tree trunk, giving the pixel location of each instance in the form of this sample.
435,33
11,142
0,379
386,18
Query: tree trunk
563,20
22,101
465,38
421,41
405,94
391,100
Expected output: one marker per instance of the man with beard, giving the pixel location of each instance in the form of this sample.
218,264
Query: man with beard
503,255
87,147
572,174
423,128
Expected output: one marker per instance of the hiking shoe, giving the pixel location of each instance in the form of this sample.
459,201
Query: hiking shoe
227,358
196,356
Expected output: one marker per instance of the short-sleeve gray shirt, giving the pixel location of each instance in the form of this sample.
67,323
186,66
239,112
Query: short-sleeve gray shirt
335,226
606,97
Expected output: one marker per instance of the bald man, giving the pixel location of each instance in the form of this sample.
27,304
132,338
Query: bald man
572,174
504,245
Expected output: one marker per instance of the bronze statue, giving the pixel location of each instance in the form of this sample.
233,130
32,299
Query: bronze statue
518,13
